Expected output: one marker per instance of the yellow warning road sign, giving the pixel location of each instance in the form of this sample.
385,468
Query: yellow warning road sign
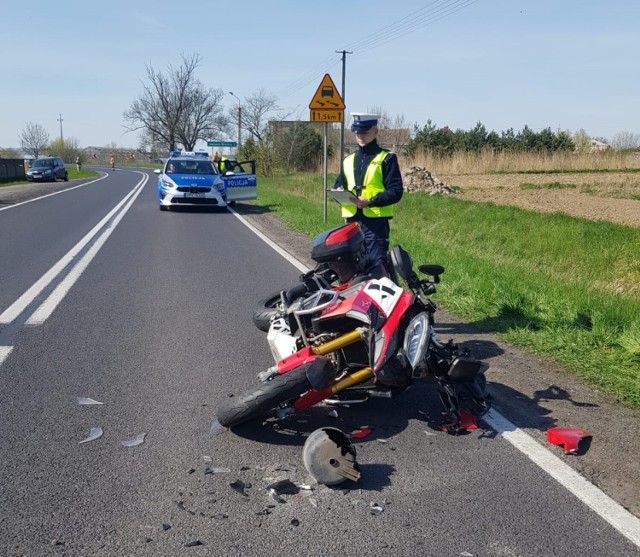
327,97
326,115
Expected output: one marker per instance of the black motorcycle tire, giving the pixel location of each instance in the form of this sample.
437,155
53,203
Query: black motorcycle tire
266,310
269,396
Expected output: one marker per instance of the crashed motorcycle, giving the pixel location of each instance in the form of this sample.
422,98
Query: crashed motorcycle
364,337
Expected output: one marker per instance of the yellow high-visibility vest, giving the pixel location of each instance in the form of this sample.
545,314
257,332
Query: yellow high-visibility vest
372,186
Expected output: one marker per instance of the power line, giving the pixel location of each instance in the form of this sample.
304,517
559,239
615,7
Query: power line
432,12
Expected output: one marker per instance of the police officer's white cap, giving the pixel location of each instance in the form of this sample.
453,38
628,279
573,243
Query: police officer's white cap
363,121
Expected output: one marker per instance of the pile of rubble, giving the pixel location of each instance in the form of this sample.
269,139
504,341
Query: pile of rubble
419,179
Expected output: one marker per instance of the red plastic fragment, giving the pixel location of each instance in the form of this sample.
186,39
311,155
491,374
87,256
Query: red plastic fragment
360,433
568,437
467,421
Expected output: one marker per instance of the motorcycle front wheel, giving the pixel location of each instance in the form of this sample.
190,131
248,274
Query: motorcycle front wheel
269,396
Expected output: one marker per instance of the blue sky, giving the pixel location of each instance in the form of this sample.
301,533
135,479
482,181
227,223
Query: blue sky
565,64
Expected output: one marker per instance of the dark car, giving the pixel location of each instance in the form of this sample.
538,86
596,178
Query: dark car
48,169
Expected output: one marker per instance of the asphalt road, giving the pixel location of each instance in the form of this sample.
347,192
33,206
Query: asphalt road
150,314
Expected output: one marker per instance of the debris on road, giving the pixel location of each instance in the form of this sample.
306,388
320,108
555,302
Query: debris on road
84,401
94,433
137,440
568,437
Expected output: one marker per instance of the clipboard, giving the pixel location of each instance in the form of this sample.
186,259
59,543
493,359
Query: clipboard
344,197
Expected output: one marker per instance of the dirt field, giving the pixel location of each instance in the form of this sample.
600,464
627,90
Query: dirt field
599,196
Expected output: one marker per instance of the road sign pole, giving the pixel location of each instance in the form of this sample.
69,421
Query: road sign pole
326,167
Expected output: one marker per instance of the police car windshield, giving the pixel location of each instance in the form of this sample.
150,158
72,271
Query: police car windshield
190,167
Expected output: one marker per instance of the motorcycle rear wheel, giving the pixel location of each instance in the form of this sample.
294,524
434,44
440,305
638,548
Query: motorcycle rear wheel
266,310
269,396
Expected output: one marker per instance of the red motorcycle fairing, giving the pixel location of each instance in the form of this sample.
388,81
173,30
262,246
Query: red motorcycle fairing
372,303
390,328
301,357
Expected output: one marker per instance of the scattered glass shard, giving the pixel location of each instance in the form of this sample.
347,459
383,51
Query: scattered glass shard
313,502
568,437
216,470
215,427
87,401
383,441
375,508
466,554
138,440
361,433
306,487
239,486
429,432
207,458
94,433
286,487
274,495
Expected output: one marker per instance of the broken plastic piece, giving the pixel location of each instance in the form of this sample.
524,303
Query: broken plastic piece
138,440
239,486
274,495
375,508
215,470
94,433
467,421
286,487
333,413
569,437
295,522
87,401
361,433
215,427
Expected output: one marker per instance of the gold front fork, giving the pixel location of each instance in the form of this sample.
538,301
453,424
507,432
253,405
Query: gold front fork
341,342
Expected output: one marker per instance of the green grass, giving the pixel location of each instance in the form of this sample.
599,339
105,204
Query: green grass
552,284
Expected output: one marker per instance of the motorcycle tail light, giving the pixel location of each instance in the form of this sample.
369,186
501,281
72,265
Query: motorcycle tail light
416,339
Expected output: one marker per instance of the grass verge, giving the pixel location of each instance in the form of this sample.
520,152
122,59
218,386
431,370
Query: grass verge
554,285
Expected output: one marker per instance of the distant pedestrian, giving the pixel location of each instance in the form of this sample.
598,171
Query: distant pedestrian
78,164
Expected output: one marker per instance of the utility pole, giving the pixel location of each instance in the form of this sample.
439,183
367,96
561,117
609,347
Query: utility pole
239,122
61,137
344,66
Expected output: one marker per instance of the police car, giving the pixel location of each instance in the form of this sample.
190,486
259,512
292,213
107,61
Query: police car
190,179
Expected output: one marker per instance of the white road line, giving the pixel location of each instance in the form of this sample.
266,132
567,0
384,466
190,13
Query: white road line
51,303
15,309
615,514
54,193
4,353
297,264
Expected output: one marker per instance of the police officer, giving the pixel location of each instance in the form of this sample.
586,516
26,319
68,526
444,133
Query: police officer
373,175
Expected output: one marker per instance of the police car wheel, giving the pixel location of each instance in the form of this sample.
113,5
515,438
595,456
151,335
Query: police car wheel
163,207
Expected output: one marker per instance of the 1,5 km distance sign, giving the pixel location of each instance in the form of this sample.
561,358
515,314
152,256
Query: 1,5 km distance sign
327,104
326,115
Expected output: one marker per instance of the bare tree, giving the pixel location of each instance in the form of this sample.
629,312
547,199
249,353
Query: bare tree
33,139
255,112
625,140
176,107
203,116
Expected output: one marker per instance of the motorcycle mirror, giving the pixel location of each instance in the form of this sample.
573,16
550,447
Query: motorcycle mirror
432,270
